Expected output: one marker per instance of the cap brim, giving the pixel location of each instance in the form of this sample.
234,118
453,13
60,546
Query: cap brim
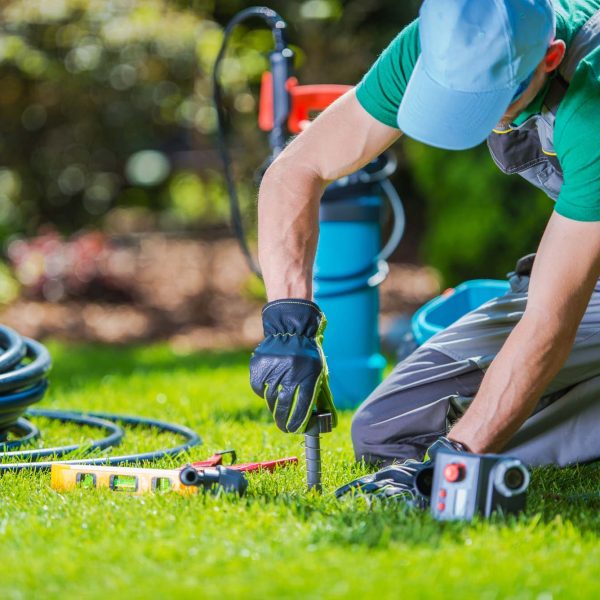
447,118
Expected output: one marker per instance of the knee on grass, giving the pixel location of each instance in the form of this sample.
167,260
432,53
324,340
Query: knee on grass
369,445
382,441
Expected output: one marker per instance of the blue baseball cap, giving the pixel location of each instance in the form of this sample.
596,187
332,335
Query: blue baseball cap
474,56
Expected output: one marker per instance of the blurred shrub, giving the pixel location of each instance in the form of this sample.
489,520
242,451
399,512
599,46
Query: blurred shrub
53,268
478,220
9,286
254,289
109,103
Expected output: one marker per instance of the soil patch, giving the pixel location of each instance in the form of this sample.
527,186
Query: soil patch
196,294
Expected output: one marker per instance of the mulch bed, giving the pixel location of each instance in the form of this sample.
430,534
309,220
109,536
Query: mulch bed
195,294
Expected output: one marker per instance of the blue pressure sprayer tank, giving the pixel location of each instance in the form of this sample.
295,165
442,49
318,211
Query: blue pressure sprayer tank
348,270
349,243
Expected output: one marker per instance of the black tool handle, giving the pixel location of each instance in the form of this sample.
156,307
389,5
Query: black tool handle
281,67
319,423
313,461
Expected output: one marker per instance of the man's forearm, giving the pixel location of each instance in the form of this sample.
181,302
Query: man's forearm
566,269
342,139
531,357
288,228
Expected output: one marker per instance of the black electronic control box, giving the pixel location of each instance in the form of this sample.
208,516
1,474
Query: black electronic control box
466,485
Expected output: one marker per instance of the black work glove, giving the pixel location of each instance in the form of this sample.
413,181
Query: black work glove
409,481
288,368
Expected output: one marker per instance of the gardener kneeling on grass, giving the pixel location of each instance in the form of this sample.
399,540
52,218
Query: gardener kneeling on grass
521,374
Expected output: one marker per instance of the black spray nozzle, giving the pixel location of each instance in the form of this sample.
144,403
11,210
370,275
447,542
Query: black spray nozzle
281,70
215,479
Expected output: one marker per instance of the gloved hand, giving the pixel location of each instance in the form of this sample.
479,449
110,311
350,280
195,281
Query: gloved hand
288,368
409,481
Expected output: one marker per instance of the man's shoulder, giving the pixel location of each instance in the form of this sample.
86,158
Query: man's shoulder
580,108
381,90
576,134
405,49
571,15
410,36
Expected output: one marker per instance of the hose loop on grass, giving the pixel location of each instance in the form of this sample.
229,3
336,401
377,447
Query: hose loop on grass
24,365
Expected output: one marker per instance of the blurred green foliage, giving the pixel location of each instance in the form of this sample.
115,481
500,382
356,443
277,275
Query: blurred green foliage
106,119
9,286
478,220
106,104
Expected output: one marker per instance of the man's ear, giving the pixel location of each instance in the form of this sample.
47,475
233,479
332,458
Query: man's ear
554,55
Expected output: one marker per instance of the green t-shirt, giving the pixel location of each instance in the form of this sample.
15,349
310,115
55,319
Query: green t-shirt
577,124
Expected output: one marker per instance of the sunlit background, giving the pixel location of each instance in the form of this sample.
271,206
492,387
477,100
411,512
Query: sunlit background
113,212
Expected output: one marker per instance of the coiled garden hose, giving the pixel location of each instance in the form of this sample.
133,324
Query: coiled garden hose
24,366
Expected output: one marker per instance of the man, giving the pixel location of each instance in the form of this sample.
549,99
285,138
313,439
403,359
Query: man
525,74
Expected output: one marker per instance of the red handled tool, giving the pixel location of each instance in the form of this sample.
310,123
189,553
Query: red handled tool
306,101
218,458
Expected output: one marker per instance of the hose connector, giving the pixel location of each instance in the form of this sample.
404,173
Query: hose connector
215,479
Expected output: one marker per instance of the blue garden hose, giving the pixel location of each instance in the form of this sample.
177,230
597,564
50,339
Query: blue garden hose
24,366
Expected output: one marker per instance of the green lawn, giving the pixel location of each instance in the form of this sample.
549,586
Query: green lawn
278,541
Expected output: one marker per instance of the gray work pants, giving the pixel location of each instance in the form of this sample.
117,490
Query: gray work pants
433,387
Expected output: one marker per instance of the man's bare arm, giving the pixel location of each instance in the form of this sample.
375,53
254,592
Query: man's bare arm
341,140
566,269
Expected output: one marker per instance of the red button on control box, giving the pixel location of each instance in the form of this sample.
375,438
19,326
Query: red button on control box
443,493
441,506
454,472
